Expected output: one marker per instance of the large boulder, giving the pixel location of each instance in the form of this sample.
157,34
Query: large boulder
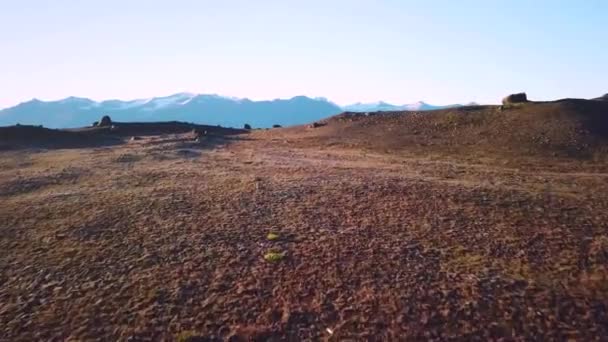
515,98
105,121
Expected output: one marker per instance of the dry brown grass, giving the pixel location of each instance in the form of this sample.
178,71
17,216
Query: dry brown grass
96,245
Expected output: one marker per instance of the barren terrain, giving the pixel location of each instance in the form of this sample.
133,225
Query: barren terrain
381,234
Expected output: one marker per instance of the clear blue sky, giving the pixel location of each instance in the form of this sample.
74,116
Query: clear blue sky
399,51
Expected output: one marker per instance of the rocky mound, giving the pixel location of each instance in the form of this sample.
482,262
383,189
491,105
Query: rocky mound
170,127
568,128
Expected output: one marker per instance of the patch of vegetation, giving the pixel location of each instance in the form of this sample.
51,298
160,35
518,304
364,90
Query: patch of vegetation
188,336
451,119
463,260
127,158
272,236
516,268
467,262
598,250
274,256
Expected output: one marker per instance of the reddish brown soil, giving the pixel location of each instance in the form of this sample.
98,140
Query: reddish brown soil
164,238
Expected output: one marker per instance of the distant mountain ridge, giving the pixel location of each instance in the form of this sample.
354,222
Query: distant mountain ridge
188,107
383,106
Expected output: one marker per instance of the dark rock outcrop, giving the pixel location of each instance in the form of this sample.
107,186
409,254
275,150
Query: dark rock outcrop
316,125
105,121
197,134
515,98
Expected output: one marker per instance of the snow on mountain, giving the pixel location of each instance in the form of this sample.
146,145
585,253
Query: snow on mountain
371,107
200,108
197,108
179,99
76,100
133,103
149,104
420,105
383,106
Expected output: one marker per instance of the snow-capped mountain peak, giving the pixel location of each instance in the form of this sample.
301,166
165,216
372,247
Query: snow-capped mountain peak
201,108
383,106
420,105
174,100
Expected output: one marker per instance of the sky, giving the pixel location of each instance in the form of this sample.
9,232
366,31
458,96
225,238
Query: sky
399,51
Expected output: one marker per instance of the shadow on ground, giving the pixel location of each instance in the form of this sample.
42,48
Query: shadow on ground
25,136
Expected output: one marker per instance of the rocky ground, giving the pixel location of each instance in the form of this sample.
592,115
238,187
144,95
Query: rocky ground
164,238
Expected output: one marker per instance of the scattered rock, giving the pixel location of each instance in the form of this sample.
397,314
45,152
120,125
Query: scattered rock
197,134
316,125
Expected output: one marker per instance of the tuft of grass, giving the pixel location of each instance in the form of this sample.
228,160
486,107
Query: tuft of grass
461,259
272,236
274,256
187,336
451,119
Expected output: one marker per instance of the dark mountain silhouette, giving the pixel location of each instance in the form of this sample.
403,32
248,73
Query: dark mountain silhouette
207,109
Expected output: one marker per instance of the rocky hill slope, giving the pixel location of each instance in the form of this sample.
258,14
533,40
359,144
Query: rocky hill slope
572,128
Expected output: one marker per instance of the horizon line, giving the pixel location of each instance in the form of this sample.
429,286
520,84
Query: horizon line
236,98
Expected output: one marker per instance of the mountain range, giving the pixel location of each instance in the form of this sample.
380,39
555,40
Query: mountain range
383,106
187,107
